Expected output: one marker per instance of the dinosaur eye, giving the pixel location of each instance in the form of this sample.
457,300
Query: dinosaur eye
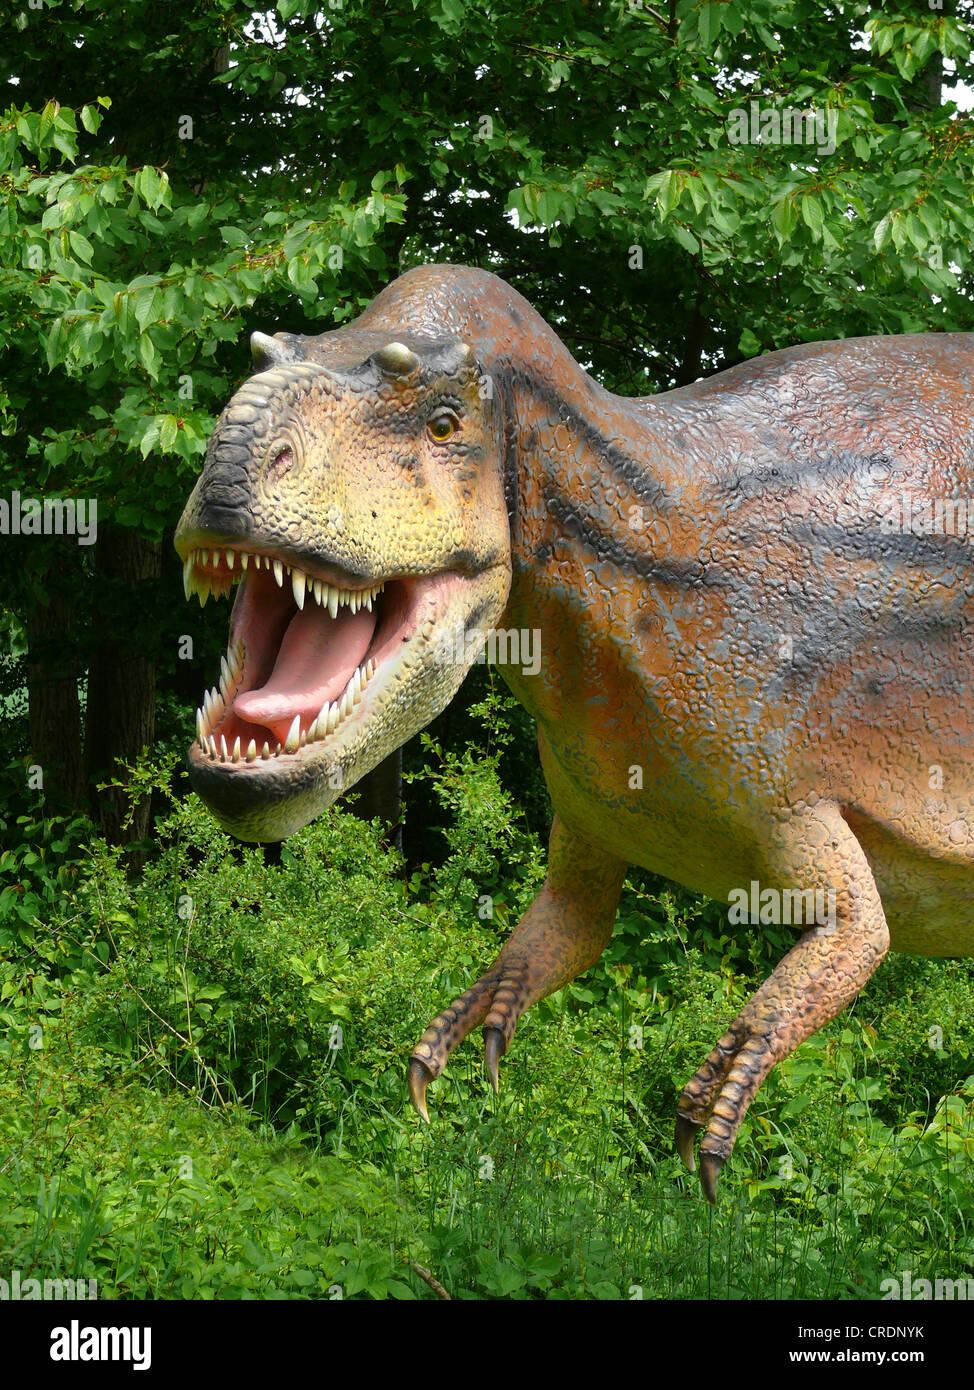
443,424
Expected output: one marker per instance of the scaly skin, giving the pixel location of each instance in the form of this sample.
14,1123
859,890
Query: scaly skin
746,675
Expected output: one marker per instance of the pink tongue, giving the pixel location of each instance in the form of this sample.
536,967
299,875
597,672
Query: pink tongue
317,659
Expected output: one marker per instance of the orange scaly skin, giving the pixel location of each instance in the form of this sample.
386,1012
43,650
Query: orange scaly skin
746,674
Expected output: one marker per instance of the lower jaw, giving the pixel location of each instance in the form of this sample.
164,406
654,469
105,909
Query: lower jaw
270,798
236,742
230,747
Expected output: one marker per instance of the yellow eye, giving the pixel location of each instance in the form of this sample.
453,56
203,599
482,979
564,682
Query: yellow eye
443,424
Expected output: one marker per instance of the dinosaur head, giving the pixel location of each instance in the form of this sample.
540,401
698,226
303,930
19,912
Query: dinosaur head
360,514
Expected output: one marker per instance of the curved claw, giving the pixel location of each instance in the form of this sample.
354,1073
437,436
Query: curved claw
419,1077
710,1166
494,1048
684,1138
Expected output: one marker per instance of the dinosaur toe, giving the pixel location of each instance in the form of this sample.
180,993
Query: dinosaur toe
710,1166
685,1140
495,1045
419,1077
716,1099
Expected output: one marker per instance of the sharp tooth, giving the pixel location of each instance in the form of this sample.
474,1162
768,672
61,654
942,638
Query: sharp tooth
212,746
357,687
292,742
316,590
223,749
370,669
320,726
244,559
368,601
200,729
227,678
202,591
277,751
297,586
188,577
303,740
265,752
252,751
279,573
346,704
332,601
229,555
235,755
333,717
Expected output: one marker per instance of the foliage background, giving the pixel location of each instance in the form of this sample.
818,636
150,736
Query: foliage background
174,177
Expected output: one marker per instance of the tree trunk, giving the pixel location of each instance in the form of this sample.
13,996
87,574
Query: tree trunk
55,711
121,680
380,794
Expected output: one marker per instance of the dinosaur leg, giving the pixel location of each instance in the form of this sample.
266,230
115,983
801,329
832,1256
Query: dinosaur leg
818,977
562,934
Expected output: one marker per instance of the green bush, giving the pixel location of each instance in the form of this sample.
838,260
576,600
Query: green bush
201,1080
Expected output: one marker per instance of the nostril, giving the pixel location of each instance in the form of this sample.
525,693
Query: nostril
280,465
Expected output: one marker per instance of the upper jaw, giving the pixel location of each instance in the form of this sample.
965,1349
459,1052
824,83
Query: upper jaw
214,569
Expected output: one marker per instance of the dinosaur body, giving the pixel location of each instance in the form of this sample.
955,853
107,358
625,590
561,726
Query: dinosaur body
754,598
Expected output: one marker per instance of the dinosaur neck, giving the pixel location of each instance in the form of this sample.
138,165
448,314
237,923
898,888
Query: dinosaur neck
591,479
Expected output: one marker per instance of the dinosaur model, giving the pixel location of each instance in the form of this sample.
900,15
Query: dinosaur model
754,598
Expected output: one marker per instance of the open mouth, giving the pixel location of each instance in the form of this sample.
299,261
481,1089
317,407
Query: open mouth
307,652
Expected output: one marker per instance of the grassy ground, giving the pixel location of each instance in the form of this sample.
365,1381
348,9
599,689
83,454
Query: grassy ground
201,1086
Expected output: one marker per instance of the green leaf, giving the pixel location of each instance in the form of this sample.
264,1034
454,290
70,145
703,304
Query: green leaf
148,354
812,214
670,188
81,247
685,238
168,432
784,218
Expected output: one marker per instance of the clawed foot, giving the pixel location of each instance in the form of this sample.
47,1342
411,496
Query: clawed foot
717,1097
497,1000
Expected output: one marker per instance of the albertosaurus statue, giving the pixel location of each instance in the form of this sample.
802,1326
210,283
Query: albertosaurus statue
755,604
